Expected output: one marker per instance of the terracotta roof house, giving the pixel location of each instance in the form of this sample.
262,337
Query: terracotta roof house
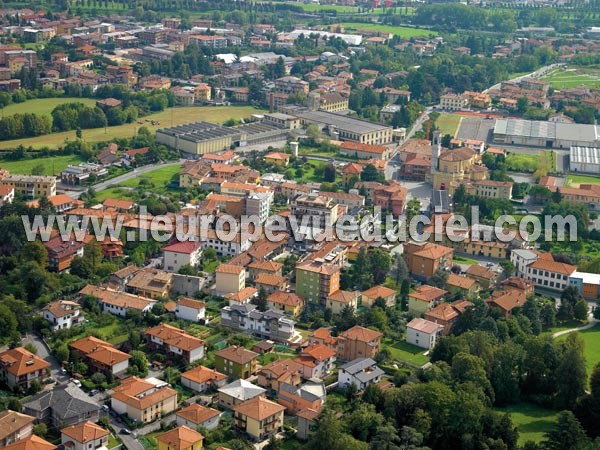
175,343
32,442
84,436
423,333
485,277
14,426
424,259
62,314
317,361
118,204
340,299
101,356
323,336
196,415
270,283
259,418
271,375
287,302
19,368
358,342
201,379
423,298
507,301
242,297
371,295
461,284
143,400
236,361
180,438
446,314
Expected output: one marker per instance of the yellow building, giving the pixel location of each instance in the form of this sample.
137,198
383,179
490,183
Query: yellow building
180,438
31,186
288,302
456,166
339,300
230,278
371,295
424,298
259,418
277,158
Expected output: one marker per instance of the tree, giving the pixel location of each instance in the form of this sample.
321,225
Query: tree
380,262
571,372
329,173
580,310
507,267
439,279
522,104
41,430
261,300
566,433
274,443
138,364
399,270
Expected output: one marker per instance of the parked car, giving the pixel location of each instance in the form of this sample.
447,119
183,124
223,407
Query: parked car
93,392
125,431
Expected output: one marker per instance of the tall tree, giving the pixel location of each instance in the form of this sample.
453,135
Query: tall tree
571,372
566,434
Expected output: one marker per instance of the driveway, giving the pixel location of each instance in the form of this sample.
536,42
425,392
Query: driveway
44,352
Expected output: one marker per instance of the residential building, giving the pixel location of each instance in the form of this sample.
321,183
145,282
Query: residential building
116,302
180,254
189,309
365,151
277,158
14,426
287,302
150,282
270,283
542,269
291,85
358,342
101,356
201,379
423,298
19,368
84,436
453,102
506,301
243,297
32,442
236,362
360,372
423,333
62,314
460,284
316,280
229,279
259,418
175,342
61,252
239,391
7,194
269,324
339,300
370,296
62,406
196,415
306,422
447,314
424,259
180,438
309,395
323,212
490,189
272,375
31,186
143,400
264,266
317,361
484,277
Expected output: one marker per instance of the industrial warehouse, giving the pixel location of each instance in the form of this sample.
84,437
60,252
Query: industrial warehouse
533,133
205,137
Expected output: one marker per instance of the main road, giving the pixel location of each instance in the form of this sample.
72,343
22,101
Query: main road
536,74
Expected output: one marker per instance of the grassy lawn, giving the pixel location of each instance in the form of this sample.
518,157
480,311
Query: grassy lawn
115,192
402,351
461,260
53,165
576,180
167,118
530,162
565,77
159,177
531,420
591,338
563,326
404,32
309,175
112,441
44,106
448,123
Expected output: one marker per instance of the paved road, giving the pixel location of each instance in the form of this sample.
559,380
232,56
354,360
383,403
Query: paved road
538,73
591,323
126,176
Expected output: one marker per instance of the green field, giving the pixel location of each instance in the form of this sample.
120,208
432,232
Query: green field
530,162
115,192
448,123
167,118
576,180
531,420
565,77
53,165
159,177
401,351
591,338
43,106
404,32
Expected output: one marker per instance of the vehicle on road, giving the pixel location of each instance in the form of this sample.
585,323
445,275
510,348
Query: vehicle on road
125,431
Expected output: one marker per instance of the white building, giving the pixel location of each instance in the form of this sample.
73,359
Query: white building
181,254
585,159
361,372
230,247
190,309
84,436
62,314
269,324
259,204
542,269
453,102
521,258
195,416
423,333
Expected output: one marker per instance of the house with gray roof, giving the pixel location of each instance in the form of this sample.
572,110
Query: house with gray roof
238,392
359,372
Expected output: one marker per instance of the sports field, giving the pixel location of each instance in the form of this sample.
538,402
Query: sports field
44,106
167,118
404,32
570,77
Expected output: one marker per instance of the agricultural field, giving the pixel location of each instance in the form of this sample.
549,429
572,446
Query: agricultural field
531,420
570,77
44,106
403,32
167,118
576,180
53,165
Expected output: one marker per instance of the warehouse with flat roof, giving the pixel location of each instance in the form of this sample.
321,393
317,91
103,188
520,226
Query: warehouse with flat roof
584,159
535,133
